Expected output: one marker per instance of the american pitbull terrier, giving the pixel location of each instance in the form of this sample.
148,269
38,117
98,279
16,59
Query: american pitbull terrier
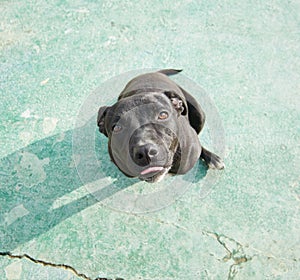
152,129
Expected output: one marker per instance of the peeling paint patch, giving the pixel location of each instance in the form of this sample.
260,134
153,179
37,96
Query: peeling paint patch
26,136
14,214
68,198
26,114
75,161
49,125
14,271
30,169
44,82
60,137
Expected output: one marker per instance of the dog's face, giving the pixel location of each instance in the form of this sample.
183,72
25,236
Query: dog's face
143,134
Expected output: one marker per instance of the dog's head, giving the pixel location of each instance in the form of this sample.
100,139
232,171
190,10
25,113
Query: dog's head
143,133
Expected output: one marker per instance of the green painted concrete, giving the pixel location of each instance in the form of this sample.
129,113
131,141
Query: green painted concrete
244,54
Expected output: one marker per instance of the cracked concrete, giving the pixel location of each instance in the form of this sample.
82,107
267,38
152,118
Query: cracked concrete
59,266
54,54
235,253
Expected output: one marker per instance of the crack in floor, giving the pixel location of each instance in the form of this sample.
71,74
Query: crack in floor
237,255
60,266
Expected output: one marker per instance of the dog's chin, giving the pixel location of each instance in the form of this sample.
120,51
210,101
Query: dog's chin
155,177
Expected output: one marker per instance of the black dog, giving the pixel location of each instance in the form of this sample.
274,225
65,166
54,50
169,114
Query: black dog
152,129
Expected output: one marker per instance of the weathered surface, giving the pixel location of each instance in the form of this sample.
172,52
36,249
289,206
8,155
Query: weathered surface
246,57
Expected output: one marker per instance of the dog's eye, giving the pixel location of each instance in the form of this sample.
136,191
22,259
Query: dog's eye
163,115
116,128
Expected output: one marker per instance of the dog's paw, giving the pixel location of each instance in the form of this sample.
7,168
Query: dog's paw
212,160
216,162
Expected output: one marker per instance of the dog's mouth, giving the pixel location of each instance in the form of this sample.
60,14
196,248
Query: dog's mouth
152,170
153,174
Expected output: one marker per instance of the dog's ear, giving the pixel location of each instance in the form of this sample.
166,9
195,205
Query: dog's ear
178,101
101,119
195,113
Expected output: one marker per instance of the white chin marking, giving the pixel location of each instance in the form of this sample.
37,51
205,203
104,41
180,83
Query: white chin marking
160,177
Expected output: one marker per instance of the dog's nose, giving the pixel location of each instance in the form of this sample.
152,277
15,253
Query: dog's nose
142,155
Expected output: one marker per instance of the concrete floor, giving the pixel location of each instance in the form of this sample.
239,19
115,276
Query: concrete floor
240,223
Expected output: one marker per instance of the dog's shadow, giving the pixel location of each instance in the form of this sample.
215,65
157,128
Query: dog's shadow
35,177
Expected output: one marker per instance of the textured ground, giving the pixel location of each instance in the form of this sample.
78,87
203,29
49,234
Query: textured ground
240,223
